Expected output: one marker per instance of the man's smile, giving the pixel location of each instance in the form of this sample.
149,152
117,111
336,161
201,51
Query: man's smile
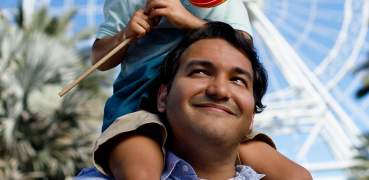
216,107
226,106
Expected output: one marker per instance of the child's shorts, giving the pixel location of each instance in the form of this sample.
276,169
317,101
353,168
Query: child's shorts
142,122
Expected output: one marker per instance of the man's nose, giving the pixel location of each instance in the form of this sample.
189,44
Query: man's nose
218,89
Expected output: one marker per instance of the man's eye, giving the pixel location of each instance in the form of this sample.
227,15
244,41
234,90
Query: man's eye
239,82
198,72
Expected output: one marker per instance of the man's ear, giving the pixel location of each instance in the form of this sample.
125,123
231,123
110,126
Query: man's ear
161,101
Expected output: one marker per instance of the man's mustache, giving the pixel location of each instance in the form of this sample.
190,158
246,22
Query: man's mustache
226,105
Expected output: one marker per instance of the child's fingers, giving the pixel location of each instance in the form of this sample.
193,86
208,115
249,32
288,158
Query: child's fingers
138,30
141,13
149,20
154,20
139,23
155,4
159,12
144,24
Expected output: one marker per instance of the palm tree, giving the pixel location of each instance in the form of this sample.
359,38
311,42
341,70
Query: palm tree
42,136
364,89
361,170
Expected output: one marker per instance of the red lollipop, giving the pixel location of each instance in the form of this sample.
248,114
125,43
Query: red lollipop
206,3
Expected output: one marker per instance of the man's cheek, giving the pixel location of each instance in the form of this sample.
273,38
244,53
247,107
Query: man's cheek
246,102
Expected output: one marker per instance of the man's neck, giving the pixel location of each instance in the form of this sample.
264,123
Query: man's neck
209,162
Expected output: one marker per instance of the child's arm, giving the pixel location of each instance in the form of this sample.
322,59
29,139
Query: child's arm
174,11
137,27
265,159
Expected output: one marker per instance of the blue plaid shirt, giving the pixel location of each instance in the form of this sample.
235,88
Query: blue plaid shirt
175,169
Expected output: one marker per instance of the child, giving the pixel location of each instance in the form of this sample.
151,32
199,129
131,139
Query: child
157,26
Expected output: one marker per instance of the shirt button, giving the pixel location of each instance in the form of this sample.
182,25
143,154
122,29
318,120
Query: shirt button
185,168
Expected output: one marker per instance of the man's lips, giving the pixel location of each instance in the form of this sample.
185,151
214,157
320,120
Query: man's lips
228,106
216,106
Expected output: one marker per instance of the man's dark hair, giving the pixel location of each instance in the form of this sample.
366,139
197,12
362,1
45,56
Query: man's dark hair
223,31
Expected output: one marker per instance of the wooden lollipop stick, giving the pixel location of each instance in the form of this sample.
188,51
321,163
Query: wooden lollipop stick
68,87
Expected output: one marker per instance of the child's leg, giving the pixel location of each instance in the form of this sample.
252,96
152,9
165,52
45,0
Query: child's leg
137,156
131,148
261,155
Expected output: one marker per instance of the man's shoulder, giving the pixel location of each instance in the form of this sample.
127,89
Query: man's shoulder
91,173
244,172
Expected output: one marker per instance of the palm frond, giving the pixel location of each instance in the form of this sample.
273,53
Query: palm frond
363,91
19,16
38,21
361,171
364,69
84,34
64,21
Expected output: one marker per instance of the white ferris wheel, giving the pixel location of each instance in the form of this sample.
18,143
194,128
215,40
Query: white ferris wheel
310,48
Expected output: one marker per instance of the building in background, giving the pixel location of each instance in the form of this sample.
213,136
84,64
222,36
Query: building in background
310,48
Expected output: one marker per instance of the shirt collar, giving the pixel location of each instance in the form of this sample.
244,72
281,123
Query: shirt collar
179,168
175,166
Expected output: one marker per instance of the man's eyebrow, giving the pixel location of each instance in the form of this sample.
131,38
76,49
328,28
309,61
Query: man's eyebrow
241,71
199,62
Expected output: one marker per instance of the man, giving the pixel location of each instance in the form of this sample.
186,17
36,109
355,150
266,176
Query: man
210,102
211,87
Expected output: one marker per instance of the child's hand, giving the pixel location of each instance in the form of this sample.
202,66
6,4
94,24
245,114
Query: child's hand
138,26
174,11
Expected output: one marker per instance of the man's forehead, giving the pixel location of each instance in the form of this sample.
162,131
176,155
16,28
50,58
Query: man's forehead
211,45
206,52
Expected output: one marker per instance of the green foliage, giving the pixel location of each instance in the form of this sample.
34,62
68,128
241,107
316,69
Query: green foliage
41,135
361,170
364,89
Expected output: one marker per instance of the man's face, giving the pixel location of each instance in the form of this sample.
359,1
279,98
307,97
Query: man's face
211,95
